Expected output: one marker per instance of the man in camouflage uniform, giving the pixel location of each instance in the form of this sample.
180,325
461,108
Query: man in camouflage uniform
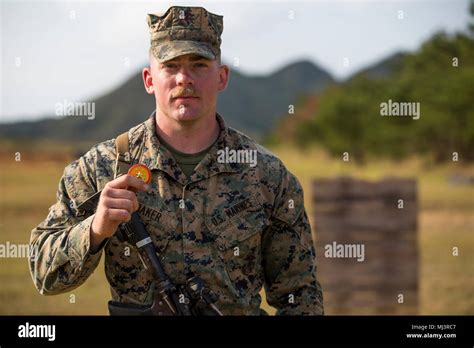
237,223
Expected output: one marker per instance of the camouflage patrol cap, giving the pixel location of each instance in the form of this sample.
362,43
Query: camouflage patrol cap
184,30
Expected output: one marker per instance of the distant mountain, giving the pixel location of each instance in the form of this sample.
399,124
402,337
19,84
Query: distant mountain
285,128
251,104
254,104
384,68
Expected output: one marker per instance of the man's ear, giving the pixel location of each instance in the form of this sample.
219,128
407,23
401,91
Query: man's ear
147,80
224,72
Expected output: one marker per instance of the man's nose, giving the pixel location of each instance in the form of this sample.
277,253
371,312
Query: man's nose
184,78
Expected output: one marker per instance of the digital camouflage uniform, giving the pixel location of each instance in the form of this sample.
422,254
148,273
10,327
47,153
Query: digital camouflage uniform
238,227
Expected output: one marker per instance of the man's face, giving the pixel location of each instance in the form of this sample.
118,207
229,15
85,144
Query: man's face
185,87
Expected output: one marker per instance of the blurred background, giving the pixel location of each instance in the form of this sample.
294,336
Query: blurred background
308,80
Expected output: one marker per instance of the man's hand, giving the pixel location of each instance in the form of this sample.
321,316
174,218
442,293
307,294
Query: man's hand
116,204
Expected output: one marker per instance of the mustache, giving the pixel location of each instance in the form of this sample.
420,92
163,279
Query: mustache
187,91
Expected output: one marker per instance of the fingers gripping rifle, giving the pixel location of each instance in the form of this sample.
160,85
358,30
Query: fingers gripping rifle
190,299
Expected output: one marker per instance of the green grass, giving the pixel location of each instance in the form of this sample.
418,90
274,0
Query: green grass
28,188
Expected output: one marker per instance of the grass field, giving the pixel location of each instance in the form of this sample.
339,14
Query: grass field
28,188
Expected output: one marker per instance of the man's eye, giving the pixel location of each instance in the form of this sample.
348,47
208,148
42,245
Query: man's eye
170,66
200,65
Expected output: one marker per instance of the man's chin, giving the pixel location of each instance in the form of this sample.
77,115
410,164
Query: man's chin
186,115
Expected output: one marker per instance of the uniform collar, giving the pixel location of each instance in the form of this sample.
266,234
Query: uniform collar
156,156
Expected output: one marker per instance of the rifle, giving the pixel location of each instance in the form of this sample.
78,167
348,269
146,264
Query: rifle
191,298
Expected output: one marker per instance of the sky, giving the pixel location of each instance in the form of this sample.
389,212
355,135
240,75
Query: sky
56,51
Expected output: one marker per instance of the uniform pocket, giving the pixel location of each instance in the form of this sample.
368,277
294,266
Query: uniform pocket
238,247
239,230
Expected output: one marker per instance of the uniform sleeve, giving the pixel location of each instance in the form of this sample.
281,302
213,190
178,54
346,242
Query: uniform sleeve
289,257
61,242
